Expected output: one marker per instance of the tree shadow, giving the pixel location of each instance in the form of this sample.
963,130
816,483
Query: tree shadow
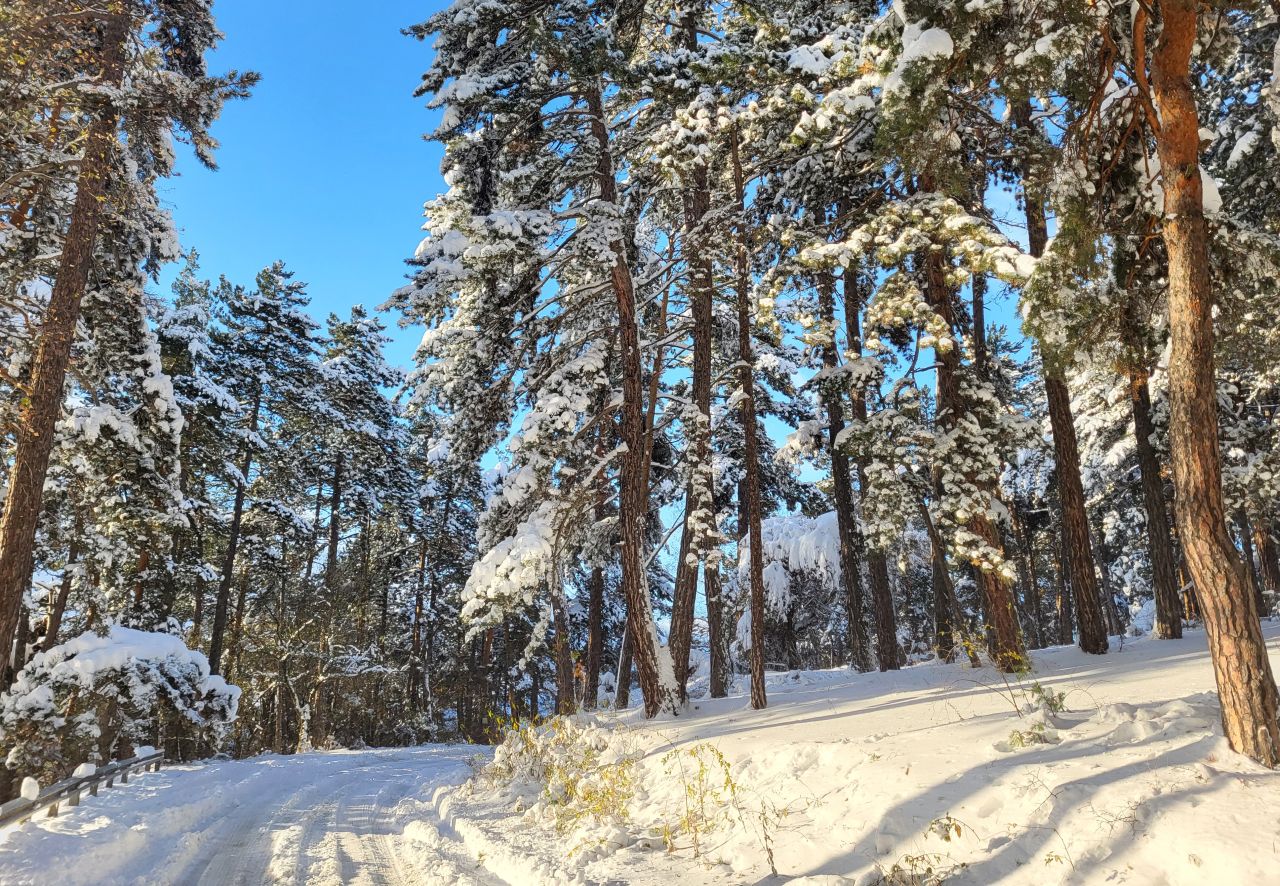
1027,842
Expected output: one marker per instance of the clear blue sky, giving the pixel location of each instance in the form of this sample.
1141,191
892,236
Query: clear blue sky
325,167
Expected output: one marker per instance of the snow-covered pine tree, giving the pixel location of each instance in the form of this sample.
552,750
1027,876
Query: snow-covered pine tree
266,354
148,79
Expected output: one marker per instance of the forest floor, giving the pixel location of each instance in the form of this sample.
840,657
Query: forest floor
933,774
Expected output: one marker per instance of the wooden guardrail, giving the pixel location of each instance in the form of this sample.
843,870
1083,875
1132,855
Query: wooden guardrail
68,792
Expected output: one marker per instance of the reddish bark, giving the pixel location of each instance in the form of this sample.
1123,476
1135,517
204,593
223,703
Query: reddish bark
634,494
1246,685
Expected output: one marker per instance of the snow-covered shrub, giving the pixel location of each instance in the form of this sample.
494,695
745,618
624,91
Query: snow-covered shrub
579,773
87,698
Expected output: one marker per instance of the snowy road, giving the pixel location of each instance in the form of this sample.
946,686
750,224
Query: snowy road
313,818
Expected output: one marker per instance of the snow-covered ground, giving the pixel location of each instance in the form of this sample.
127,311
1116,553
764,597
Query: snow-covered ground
918,777
937,773
320,818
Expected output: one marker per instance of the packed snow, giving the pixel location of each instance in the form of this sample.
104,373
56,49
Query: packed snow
1090,769
317,818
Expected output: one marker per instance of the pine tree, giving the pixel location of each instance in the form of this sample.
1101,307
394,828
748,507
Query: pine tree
267,355
166,90
1245,683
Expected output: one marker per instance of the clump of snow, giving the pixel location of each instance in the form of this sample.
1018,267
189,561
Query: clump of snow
84,770
1242,148
30,789
918,44
1142,618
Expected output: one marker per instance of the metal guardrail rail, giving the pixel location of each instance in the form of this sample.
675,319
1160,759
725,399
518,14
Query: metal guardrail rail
68,792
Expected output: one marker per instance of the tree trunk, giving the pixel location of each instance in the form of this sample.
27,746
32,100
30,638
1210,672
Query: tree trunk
59,607
237,625
197,594
1111,610
1075,522
846,518
1066,619
1168,624
680,634
566,695
751,446
21,646
1007,651
947,617
415,637
335,526
622,689
595,638
699,527
716,639
653,661
1267,556
877,563
277,735
1245,531
43,396
1027,578
223,602
1246,685
944,593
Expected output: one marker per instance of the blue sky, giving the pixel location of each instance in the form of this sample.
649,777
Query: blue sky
325,167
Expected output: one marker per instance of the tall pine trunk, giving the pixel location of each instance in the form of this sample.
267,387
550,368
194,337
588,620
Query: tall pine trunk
716,637
851,545
1168,624
335,526
622,688
1075,521
222,603
1268,556
1029,579
699,510
751,446
595,638
58,606
1066,617
42,400
595,599
877,563
1246,685
652,660
566,693
1006,649
1245,530
416,662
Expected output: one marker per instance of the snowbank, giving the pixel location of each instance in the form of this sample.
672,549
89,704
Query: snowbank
1093,769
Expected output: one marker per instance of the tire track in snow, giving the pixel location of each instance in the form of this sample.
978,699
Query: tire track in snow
236,855
318,819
